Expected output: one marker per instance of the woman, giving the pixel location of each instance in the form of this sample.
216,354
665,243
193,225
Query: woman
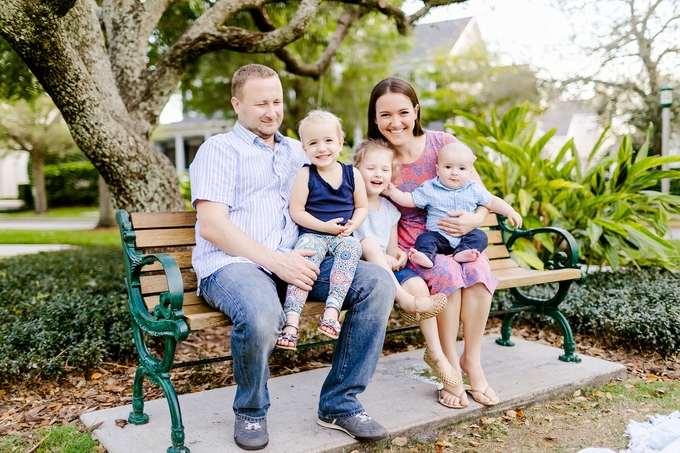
394,115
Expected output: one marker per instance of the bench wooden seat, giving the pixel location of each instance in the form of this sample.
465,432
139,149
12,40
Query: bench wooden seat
163,302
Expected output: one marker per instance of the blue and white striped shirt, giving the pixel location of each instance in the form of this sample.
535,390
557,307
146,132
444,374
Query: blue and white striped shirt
241,171
440,200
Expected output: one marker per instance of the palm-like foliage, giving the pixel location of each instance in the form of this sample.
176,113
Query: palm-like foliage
613,208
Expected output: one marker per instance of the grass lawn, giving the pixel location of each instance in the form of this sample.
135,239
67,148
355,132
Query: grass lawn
72,212
72,237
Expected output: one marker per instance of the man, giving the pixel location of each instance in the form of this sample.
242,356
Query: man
241,183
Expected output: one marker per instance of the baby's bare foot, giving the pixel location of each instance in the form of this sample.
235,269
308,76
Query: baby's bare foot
420,259
466,256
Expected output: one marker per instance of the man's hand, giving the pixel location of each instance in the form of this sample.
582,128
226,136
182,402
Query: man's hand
461,223
294,268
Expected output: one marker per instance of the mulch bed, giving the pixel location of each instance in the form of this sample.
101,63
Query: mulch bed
33,405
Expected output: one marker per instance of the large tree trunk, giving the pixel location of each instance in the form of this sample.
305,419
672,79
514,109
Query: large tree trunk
62,43
107,215
38,173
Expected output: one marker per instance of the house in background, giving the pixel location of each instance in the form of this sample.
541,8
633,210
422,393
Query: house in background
13,172
452,37
572,119
180,141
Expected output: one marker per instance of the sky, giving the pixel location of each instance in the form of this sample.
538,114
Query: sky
518,31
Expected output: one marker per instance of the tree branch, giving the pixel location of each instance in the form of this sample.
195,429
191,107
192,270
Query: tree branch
207,35
314,70
128,25
623,86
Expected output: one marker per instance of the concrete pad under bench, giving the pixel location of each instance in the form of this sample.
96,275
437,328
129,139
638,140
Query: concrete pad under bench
401,396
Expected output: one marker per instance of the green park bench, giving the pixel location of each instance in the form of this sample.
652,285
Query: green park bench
163,303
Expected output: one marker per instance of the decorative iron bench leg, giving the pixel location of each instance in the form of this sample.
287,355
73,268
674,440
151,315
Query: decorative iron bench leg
569,344
177,430
506,330
137,416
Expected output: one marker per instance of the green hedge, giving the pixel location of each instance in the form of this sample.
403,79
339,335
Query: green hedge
635,308
62,312
71,184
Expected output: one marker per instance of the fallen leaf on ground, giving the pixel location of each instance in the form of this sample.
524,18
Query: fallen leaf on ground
399,441
121,422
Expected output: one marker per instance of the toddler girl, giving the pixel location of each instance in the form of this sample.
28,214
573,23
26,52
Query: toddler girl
328,202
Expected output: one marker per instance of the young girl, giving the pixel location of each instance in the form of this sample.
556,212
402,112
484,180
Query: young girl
328,202
378,235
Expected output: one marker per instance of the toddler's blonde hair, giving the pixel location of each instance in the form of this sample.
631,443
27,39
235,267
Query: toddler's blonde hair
376,144
320,116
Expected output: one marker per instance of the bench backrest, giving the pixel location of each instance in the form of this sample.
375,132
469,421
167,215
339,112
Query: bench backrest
173,233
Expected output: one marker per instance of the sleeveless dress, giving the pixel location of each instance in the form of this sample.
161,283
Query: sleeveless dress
447,275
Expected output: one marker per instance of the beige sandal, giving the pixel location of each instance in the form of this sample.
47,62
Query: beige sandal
442,401
472,392
450,380
439,302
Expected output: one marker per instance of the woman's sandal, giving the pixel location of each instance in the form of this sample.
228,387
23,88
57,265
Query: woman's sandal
450,380
289,337
442,401
332,324
472,392
439,302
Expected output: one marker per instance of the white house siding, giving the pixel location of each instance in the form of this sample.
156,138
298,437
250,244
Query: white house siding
13,171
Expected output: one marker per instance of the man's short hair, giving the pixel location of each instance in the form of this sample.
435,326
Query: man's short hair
246,72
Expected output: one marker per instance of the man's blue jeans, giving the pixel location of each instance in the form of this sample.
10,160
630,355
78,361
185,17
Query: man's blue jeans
252,300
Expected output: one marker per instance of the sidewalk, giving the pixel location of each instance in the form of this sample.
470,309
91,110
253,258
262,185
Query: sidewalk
400,396
40,224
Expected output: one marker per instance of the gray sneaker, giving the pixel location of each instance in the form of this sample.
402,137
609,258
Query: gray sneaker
251,435
361,427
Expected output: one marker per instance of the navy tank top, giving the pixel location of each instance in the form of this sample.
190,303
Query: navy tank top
326,203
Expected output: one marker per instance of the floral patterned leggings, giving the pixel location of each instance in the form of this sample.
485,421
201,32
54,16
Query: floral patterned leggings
346,251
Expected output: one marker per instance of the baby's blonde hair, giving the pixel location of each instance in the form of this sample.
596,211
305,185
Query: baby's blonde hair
320,116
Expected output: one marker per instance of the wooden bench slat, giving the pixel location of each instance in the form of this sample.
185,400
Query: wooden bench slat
190,298
491,220
495,237
202,316
496,251
205,320
497,265
512,278
183,261
165,238
155,284
145,220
